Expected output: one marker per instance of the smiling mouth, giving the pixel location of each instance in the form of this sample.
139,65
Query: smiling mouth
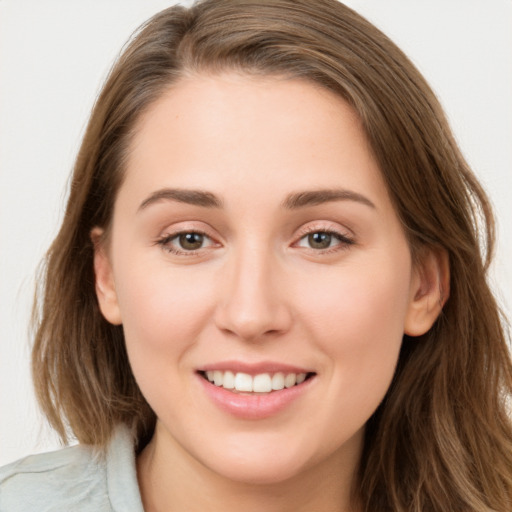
262,383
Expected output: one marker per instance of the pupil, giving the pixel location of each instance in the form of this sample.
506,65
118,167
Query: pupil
191,241
319,240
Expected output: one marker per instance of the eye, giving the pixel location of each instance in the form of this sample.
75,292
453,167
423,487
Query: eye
319,240
190,241
324,239
185,242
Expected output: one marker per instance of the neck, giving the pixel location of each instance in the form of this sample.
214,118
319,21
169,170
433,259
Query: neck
171,479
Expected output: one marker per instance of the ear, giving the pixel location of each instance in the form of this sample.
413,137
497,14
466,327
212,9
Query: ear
104,279
430,288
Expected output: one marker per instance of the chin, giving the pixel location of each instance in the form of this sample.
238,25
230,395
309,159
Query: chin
272,471
247,459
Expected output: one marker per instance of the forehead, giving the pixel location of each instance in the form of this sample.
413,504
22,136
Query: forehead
242,133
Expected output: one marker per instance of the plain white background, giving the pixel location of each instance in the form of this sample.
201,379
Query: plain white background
54,55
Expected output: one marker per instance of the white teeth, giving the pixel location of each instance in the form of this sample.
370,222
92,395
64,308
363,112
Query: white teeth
229,380
243,382
278,381
301,377
261,383
218,378
290,380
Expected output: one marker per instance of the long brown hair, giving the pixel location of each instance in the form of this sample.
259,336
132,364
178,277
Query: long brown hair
442,439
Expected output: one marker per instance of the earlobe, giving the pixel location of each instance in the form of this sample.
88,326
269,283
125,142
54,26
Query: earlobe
430,288
104,280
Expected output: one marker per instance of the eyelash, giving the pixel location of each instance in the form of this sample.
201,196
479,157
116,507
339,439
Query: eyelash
165,241
344,241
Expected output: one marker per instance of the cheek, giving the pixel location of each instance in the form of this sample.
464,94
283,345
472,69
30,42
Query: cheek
359,325
362,304
163,311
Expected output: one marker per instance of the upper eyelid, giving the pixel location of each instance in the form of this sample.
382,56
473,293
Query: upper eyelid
188,227
305,229
325,226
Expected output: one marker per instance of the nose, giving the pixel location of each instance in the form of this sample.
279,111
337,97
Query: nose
252,304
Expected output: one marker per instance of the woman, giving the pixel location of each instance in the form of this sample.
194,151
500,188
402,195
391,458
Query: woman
267,291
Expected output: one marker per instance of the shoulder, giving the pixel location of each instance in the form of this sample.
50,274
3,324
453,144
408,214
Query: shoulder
74,478
66,479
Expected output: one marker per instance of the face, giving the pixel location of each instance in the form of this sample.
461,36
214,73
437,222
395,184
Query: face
261,275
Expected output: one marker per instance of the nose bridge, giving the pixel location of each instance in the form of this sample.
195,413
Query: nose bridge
252,302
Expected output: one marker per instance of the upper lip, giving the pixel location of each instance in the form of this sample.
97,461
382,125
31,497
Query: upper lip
254,368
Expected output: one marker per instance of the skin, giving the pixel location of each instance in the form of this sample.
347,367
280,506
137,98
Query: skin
257,290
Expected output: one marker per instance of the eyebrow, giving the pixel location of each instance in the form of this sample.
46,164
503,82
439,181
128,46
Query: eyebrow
294,201
317,197
194,197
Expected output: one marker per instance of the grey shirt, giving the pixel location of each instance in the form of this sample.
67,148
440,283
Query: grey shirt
74,479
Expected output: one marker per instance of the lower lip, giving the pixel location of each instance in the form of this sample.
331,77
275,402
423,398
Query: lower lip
254,406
